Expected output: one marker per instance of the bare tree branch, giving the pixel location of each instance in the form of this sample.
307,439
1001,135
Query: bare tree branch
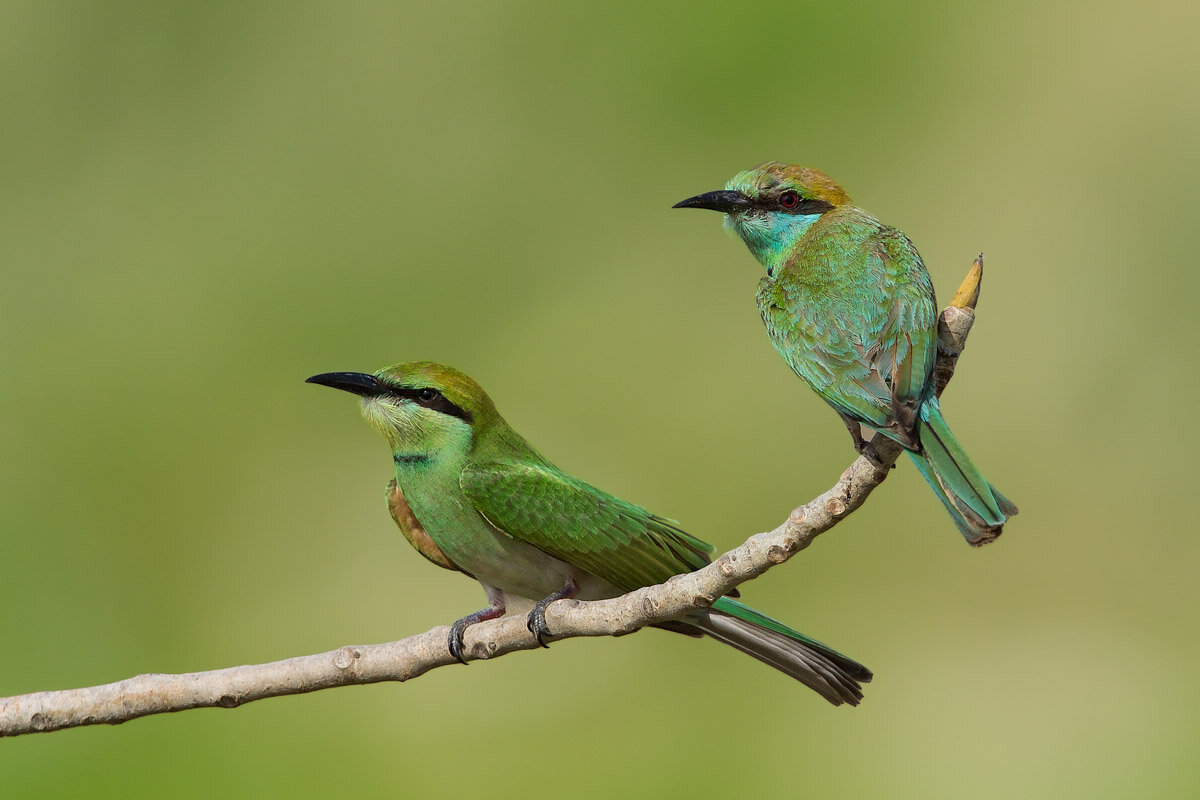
142,695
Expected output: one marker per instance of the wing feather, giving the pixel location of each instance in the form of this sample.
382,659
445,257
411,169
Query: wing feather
620,542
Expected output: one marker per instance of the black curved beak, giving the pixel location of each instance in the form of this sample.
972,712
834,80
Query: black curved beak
723,200
354,382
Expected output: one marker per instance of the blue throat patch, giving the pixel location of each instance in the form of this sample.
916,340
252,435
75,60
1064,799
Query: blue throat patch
770,236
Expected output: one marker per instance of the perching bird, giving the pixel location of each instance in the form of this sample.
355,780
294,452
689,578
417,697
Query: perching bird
849,305
471,495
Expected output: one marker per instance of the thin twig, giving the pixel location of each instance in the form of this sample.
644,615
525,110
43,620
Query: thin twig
142,695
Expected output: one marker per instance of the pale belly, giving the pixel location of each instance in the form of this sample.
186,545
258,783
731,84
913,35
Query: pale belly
496,559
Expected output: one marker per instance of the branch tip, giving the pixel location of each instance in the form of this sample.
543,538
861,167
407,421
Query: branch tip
968,292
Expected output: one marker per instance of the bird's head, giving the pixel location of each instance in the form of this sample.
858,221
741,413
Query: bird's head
772,206
420,407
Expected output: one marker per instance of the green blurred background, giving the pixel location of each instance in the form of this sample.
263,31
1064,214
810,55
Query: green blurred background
203,204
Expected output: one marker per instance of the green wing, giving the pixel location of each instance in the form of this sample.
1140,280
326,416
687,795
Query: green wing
590,529
868,345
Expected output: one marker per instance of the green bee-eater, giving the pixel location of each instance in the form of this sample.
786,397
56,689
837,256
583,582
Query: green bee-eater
471,495
849,305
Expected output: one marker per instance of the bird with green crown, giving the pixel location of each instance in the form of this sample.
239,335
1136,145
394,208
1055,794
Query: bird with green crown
471,495
849,305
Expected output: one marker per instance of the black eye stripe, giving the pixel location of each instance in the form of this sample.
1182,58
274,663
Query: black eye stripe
806,206
437,403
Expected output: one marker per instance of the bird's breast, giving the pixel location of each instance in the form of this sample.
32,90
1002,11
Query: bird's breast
412,528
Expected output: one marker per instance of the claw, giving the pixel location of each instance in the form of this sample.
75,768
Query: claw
455,641
537,626
536,623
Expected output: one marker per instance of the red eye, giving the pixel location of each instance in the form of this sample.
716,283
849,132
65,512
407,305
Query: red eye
789,200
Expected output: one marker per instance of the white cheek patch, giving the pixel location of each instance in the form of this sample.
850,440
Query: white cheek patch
394,420
411,427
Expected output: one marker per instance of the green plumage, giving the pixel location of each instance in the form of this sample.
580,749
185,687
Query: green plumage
849,305
622,543
852,313
470,494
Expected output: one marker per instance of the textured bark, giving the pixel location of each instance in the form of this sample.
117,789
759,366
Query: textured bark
409,658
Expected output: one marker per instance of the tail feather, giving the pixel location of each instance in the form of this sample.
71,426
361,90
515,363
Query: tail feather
978,510
819,667
1006,505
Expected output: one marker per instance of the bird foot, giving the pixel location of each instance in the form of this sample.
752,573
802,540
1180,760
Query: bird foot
872,454
537,618
855,428
455,642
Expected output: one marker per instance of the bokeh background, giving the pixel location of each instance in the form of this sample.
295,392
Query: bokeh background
205,203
